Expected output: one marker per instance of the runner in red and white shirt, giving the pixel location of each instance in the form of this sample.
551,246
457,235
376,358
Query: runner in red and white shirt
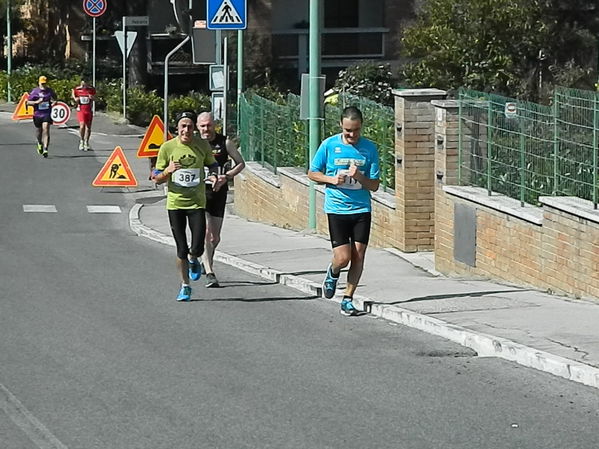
84,96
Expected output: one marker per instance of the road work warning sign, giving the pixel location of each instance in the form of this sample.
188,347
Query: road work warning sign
22,111
153,138
116,172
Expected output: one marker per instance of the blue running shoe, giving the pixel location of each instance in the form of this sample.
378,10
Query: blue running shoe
194,270
347,308
330,283
184,294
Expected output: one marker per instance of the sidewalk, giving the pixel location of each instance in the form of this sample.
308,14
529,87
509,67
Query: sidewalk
535,329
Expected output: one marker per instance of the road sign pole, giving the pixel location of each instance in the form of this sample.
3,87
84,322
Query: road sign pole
225,85
94,58
239,73
124,69
9,50
219,50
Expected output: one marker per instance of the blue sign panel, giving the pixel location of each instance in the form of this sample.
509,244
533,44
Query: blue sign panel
227,14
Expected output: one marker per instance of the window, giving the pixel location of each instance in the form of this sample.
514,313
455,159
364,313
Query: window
341,13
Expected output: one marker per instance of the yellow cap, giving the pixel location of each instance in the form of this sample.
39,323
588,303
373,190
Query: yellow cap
43,79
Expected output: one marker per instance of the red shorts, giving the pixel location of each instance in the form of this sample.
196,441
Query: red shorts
85,117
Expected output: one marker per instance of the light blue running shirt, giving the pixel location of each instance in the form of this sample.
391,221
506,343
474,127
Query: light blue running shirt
334,156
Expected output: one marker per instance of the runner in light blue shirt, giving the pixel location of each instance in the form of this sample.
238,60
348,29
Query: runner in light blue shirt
348,165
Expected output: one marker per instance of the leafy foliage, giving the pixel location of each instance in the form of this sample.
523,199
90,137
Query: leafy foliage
369,80
507,46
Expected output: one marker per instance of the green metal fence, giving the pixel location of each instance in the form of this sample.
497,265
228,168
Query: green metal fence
525,150
273,134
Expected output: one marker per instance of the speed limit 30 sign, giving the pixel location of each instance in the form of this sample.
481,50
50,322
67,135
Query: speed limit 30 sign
61,112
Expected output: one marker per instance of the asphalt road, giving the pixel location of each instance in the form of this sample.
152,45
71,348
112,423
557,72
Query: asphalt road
96,353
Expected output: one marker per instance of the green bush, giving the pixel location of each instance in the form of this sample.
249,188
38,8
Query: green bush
268,92
142,105
109,95
194,101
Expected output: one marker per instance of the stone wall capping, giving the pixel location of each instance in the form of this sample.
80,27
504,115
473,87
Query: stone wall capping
428,92
446,104
498,202
572,205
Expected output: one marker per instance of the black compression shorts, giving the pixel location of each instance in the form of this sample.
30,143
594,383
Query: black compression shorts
346,228
178,220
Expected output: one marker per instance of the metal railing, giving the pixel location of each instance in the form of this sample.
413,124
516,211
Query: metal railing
525,150
273,134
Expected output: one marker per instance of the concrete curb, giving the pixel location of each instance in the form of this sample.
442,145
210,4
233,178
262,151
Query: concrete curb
485,345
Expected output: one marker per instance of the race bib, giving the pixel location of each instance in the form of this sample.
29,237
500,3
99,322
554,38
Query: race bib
186,177
84,100
349,183
44,106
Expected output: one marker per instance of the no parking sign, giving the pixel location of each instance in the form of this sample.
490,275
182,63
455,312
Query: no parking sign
61,113
95,8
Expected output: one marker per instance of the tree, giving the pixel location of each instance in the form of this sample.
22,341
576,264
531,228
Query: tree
499,45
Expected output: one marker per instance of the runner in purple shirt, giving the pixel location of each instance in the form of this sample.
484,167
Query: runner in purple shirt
41,98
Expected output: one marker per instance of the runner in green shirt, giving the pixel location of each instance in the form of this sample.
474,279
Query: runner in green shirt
184,162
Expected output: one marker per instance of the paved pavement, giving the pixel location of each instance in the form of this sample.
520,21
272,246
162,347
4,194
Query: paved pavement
546,332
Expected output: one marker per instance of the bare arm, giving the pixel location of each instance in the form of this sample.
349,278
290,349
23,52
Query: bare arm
160,177
237,158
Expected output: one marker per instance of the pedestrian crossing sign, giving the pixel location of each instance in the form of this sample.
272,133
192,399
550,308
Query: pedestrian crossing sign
116,172
153,138
22,111
227,14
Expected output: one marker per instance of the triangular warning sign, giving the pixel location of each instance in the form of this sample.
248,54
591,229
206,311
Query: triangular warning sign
226,14
22,111
116,172
153,138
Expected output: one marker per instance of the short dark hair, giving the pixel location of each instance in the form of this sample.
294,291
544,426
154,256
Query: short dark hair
186,114
352,113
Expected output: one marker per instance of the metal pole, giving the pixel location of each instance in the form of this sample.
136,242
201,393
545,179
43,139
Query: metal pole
94,58
225,85
315,106
172,52
9,50
239,74
219,51
124,70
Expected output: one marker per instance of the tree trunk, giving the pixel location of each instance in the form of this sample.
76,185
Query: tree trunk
138,57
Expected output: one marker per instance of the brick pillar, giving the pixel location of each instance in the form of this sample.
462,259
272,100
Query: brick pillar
415,167
446,141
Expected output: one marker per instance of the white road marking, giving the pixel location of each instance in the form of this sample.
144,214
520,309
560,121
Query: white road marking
29,424
39,208
104,209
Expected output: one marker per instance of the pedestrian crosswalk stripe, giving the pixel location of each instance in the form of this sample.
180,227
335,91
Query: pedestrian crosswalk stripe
104,209
39,208
226,14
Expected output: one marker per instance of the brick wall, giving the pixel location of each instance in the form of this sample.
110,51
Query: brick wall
282,200
553,247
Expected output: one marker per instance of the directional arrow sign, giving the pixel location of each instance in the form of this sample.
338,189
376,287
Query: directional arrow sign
120,37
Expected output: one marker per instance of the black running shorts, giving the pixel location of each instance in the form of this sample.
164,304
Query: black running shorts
344,229
216,201
37,121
